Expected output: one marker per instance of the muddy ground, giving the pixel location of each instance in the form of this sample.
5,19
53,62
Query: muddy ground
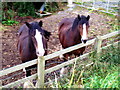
99,25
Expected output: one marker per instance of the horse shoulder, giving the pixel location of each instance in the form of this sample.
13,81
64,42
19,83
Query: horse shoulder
66,23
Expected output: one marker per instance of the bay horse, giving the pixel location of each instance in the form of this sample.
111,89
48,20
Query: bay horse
32,42
73,31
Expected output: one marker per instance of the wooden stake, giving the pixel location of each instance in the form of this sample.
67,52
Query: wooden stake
41,72
98,43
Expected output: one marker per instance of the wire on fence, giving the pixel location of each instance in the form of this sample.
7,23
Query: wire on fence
10,77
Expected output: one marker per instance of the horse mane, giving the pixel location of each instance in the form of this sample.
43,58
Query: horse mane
75,23
83,17
46,34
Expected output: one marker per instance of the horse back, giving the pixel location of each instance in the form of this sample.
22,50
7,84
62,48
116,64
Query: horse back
23,30
22,33
65,24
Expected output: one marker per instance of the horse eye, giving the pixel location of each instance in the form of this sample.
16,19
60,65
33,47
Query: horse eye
34,40
80,26
34,32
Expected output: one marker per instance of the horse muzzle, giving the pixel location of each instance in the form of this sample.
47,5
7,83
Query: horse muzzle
40,53
84,41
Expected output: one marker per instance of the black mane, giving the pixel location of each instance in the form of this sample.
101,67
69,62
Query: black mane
75,23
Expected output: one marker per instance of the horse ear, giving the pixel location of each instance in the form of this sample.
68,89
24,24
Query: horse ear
88,17
79,17
28,25
40,23
47,34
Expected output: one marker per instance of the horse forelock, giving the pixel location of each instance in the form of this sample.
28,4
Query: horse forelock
35,25
83,20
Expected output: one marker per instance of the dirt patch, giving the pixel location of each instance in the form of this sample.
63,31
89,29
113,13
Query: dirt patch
10,56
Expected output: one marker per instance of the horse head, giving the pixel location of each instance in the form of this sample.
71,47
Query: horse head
37,36
83,25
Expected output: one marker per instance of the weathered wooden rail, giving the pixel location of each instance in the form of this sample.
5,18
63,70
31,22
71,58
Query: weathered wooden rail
41,61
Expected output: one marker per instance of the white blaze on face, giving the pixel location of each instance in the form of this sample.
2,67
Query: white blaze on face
40,49
84,36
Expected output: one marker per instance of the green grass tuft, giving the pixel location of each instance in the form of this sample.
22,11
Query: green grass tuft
103,73
9,22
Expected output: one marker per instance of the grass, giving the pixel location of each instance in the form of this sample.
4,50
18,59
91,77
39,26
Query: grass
103,73
110,81
9,22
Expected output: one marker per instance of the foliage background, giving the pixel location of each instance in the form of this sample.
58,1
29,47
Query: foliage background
12,9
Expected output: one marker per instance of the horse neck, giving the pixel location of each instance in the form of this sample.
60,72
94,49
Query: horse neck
75,31
75,24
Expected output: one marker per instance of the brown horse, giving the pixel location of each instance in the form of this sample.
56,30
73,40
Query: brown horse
73,31
32,42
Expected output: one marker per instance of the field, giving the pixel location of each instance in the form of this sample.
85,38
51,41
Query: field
100,24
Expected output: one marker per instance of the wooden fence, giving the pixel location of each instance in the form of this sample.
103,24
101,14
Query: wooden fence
41,61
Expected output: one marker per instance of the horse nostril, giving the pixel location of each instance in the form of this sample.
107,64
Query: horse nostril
84,41
37,53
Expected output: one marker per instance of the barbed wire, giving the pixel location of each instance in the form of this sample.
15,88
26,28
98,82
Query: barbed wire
11,76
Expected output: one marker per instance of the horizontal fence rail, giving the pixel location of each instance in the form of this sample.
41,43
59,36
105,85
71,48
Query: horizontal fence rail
110,34
69,49
65,64
18,82
17,67
50,56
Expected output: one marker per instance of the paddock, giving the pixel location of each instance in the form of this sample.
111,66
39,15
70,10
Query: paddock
100,24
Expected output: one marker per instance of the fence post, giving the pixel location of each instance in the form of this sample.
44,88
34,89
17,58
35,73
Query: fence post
97,46
108,5
93,6
82,2
70,3
40,72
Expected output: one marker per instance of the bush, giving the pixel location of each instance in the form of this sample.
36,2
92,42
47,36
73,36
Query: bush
11,9
24,8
